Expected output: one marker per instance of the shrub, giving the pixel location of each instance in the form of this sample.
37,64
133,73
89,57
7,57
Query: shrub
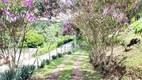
22,73
54,57
59,55
47,61
69,52
43,63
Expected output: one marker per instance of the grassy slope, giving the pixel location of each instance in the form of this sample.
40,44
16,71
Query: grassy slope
133,62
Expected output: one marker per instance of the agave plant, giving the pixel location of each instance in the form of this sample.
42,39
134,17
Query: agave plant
22,73
7,75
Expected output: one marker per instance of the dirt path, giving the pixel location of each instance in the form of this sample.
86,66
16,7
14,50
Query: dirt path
54,75
76,71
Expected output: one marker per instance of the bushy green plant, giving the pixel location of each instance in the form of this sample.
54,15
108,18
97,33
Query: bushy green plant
54,57
43,63
59,55
33,40
69,52
22,73
47,61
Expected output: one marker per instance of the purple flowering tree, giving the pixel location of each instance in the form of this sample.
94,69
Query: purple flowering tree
48,8
100,22
14,18
70,29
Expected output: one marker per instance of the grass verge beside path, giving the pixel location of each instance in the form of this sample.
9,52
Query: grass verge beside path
41,73
66,73
88,71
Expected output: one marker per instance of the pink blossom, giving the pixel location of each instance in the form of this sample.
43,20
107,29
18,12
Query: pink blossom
71,4
124,3
5,11
29,3
115,30
116,5
62,3
127,22
120,17
11,15
30,16
123,40
114,14
66,1
47,7
46,1
67,22
5,1
137,3
82,1
89,5
107,12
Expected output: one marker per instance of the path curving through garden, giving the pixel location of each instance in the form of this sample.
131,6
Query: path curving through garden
77,71
54,75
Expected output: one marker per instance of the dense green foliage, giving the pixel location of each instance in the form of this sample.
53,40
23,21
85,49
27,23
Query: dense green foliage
34,40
